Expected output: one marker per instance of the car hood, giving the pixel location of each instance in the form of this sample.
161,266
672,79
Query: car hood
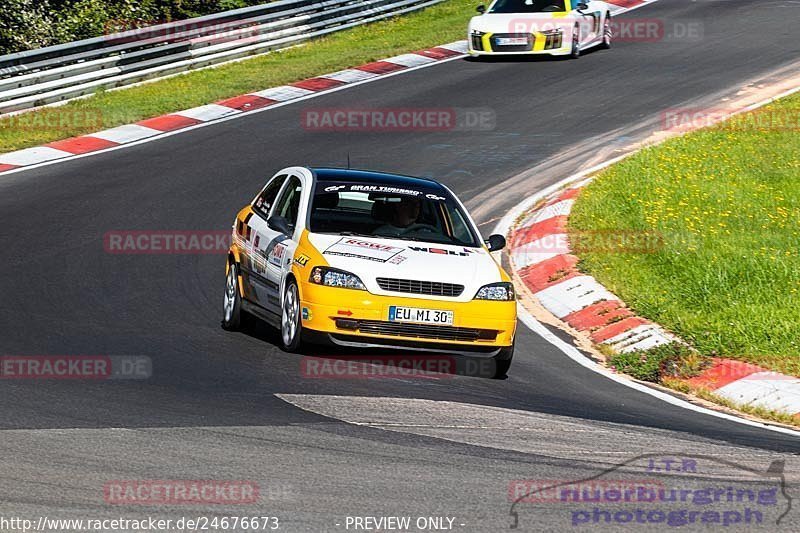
520,22
370,258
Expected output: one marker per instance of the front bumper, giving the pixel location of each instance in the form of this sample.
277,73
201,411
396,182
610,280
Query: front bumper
352,317
490,44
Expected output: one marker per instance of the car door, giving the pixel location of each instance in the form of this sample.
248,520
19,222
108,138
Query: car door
284,233
256,236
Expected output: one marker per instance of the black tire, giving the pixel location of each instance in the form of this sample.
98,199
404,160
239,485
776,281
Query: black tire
502,362
291,323
575,52
232,307
607,33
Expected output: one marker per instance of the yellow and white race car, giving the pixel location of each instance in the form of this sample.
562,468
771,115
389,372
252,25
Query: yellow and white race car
367,259
551,27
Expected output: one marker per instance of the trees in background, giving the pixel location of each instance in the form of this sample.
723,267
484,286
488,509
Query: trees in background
27,24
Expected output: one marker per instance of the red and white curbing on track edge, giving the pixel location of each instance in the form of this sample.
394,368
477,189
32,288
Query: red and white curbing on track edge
742,383
541,257
166,125
229,108
159,127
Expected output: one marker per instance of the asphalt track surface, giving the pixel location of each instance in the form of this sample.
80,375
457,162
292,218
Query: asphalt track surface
211,410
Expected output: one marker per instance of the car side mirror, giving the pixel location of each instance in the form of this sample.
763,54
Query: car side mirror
481,9
495,242
279,224
581,6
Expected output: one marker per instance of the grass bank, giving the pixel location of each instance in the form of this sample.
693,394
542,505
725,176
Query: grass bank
726,201
442,23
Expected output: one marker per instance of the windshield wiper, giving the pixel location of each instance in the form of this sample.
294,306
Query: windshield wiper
354,234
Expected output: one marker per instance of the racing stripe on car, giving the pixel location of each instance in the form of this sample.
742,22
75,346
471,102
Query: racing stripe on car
539,41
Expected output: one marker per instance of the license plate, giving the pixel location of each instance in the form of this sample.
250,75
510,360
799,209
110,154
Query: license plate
512,41
421,316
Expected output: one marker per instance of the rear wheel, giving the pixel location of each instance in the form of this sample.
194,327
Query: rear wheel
607,31
232,306
291,326
575,52
502,362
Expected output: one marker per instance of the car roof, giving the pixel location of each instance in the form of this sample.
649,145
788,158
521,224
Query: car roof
353,175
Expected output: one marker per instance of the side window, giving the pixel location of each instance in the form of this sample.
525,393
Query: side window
288,205
267,196
460,227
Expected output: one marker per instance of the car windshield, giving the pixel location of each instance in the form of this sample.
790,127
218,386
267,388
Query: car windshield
528,6
378,210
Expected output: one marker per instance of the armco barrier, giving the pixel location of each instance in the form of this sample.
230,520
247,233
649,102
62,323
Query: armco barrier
57,73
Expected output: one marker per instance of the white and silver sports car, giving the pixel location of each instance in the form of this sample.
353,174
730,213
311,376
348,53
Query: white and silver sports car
554,27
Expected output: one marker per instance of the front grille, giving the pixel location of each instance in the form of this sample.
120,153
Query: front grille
428,288
424,331
512,47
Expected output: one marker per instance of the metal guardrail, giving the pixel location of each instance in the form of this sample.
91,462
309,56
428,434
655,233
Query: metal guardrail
58,73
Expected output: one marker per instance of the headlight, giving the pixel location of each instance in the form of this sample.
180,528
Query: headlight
503,291
335,278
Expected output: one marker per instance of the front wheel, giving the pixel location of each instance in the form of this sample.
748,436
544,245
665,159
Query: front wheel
607,31
575,52
291,326
232,306
502,362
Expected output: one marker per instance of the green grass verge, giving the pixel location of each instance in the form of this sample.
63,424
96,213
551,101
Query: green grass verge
726,201
672,360
439,24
